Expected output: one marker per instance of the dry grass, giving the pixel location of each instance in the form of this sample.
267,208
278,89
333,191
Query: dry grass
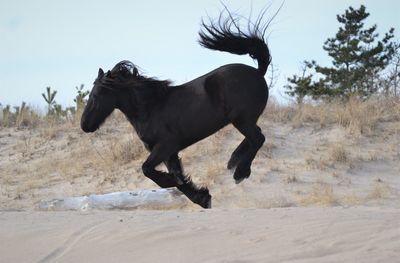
378,191
267,149
279,113
321,194
291,179
127,150
321,163
351,199
338,153
356,116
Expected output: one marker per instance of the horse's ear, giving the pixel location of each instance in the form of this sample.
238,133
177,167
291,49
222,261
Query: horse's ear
101,73
135,72
108,74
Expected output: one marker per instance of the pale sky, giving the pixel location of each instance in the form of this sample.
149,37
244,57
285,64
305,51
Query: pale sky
63,43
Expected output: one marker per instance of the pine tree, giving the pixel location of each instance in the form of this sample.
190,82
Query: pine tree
304,85
358,58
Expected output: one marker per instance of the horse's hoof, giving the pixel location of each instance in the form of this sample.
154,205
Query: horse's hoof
204,201
238,181
230,165
241,174
208,206
233,162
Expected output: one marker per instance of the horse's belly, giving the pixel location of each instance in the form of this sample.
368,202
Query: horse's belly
202,126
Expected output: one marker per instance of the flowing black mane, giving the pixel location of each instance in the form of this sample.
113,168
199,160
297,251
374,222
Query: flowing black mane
126,75
125,68
147,91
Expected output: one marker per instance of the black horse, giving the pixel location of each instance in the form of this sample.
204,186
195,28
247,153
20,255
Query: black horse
170,118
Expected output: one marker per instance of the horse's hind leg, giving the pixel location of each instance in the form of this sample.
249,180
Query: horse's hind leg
255,139
238,153
197,195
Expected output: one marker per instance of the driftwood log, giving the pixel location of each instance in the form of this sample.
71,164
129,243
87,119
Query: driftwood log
151,199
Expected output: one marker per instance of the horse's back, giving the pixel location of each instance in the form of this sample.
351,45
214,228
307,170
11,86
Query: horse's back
232,88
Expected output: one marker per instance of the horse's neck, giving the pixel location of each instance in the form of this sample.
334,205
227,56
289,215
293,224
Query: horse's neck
140,106
136,121
141,128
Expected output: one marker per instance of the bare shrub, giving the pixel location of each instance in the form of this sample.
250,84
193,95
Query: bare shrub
338,153
267,149
127,151
378,191
320,194
291,179
22,116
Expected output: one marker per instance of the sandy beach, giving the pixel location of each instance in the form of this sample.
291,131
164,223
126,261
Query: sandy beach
357,234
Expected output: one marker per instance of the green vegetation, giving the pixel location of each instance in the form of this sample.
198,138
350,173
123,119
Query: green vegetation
361,63
80,98
49,97
24,116
56,110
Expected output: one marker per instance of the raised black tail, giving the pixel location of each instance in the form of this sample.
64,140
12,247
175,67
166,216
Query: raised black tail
226,35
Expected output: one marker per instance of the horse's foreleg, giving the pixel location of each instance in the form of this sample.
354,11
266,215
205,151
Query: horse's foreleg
164,180
197,195
174,167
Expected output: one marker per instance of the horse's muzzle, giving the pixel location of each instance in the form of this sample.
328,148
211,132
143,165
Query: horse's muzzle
86,128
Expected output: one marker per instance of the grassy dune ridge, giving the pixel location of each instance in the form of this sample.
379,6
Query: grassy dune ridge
325,154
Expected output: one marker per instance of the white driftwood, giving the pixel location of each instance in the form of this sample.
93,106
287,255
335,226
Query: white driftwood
151,199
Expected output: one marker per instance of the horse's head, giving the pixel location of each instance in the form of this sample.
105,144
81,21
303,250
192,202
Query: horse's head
121,88
109,92
102,101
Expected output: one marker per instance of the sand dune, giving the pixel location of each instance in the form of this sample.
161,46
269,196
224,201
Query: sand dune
325,187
